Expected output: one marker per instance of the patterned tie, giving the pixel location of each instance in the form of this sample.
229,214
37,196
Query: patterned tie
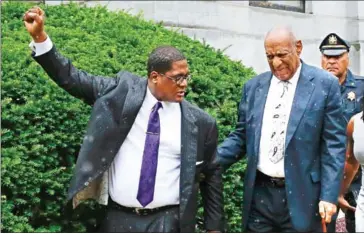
277,138
150,159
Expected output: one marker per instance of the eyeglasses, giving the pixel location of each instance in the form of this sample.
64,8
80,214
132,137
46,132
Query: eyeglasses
177,79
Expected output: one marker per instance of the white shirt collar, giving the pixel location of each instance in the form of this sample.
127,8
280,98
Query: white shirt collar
293,80
150,101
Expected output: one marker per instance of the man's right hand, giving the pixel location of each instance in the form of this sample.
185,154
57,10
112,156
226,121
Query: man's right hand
34,22
327,210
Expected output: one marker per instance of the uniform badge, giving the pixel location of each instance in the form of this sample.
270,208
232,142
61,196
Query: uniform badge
332,40
351,96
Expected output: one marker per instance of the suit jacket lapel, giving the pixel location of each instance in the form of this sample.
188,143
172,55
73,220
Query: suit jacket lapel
302,96
133,102
189,133
260,99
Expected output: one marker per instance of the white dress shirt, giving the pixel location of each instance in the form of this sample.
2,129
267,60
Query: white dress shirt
42,47
124,172
265,165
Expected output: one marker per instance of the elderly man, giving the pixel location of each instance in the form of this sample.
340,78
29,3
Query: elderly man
335,59
145,146
290,128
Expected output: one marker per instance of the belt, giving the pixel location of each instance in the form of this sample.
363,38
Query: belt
267,180
139,211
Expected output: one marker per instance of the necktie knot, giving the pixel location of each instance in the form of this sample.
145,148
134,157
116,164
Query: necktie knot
157,106
285,87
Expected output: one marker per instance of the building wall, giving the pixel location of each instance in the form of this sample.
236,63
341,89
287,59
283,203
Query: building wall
240,29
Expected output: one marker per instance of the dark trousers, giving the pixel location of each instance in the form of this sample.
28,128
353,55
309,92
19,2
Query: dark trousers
269,211
121,220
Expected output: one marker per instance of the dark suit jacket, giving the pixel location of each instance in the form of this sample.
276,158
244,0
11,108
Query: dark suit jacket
315,143
116,102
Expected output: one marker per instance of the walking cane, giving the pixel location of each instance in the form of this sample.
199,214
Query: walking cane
323,223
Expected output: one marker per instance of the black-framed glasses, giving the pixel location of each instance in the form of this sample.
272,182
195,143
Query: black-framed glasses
178,79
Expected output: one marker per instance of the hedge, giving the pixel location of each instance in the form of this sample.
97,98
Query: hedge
43,126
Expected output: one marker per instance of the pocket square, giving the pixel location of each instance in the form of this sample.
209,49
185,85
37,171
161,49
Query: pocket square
198,163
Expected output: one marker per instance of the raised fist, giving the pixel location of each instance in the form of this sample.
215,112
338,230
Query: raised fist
34,22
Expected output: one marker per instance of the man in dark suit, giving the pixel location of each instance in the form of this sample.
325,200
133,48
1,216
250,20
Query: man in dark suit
335,59
147,150
291,129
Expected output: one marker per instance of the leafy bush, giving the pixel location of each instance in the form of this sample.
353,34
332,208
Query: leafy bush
42,126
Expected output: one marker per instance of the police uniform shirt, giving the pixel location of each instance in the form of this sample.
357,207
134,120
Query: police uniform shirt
352,91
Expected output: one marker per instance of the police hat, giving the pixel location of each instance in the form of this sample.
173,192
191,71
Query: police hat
333,45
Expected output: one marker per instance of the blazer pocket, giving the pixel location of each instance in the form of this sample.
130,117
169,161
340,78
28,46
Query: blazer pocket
315,176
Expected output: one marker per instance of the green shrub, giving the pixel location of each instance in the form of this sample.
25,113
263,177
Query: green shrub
42,126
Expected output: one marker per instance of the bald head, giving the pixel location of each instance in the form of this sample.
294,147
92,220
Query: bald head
281,33
283,52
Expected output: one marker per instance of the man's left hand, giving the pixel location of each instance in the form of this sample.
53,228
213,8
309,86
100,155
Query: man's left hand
326,210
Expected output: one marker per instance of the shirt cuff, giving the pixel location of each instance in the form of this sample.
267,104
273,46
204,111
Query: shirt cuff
42,47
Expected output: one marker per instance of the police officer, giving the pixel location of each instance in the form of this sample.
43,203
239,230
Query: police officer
335,59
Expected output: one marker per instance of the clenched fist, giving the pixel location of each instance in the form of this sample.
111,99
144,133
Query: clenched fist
327,210
34,22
